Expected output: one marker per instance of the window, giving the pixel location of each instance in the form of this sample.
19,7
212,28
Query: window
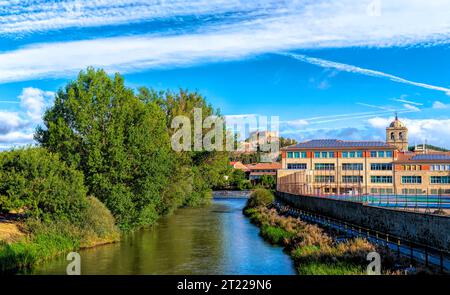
324,178
323,154
359,154
400,135
352,179
324,166
373,154
352,154
300,166
289,155
344,154
392,136
440,179
381,179
381,166
389,154
303,154
411,179
352,166
380,154
296,155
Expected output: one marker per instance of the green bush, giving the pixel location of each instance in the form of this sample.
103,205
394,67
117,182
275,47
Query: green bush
35,181
274,234
260,197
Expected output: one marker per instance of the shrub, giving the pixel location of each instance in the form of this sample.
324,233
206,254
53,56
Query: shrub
260,197
37,182
275,235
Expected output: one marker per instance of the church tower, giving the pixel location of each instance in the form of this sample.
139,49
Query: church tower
397,134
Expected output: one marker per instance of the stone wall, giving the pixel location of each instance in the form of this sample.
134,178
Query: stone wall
432,230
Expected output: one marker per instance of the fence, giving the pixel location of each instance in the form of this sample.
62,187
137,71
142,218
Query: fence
416,252
349,186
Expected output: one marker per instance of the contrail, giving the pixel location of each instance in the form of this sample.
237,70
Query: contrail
354,69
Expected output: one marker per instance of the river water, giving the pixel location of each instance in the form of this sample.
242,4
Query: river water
217,239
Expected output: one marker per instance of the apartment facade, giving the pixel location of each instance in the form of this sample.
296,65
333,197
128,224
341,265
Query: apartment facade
331,166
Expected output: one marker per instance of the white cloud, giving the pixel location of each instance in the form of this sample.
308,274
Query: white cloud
367,72
435,131
17,128
16,137
440,106
255,28
411,107
10,121
34,101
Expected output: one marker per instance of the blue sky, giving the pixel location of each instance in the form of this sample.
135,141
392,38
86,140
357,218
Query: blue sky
328,69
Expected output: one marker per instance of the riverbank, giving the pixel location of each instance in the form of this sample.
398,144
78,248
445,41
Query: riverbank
316,252
31,241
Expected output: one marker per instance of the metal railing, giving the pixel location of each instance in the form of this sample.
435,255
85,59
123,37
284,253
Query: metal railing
417,253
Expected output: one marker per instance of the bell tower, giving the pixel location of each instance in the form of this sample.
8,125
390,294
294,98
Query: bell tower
397,134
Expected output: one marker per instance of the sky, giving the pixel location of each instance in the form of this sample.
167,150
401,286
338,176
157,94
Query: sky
326,68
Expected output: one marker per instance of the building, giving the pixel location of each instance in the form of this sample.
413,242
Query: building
238,165
259,169
331,166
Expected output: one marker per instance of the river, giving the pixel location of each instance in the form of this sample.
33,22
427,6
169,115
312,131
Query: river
217,239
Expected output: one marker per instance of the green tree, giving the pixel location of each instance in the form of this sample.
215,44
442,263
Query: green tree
268,181
208,168
38,183
120,143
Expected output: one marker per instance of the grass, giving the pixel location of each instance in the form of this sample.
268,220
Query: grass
44,240
314,252
275,235
47,241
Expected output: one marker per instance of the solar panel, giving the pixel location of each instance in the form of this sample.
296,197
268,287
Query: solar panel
335,143
431,157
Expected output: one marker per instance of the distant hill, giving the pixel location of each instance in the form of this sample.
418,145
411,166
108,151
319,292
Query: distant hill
428,147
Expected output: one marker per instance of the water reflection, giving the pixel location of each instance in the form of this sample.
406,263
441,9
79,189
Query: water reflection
216,239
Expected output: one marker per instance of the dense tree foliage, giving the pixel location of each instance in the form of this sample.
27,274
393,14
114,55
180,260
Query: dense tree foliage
35,181
260,197
207,167
120,144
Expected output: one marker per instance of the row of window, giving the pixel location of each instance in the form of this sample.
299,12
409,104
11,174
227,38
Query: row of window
381,166
440,179
352,166
383,179
299,166
412,167
440,167
347,154
297,155
411,179
345,166
352,179
375,190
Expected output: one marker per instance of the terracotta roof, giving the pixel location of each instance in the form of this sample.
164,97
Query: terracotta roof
265,166
262,173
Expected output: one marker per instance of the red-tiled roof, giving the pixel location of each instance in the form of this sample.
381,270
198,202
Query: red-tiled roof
265,166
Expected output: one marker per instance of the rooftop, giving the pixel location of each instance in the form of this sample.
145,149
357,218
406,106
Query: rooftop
432,157
336,143
265,166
